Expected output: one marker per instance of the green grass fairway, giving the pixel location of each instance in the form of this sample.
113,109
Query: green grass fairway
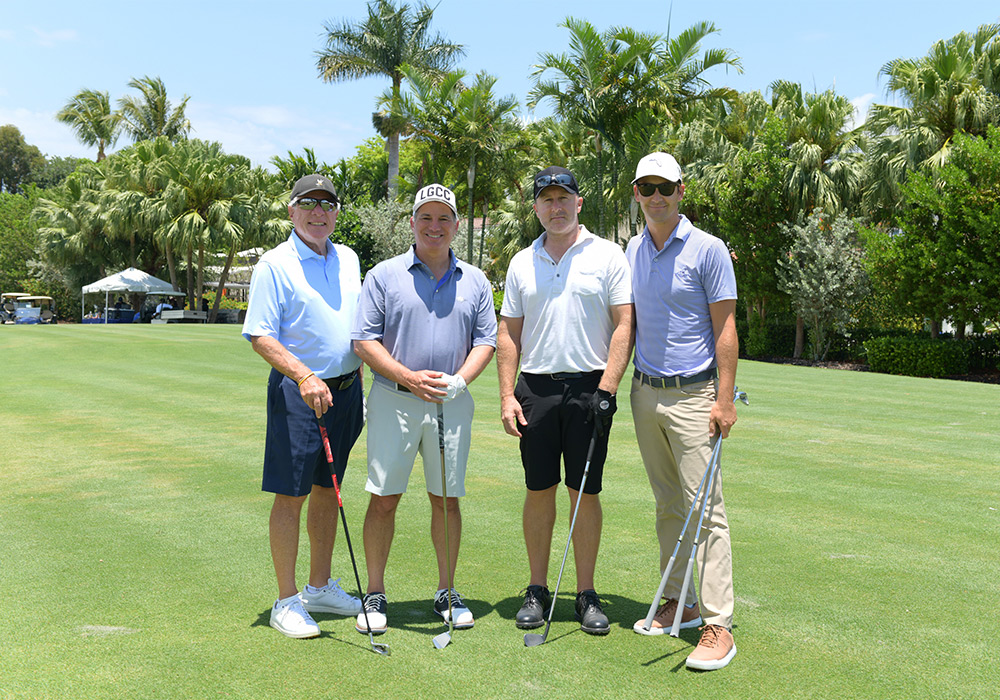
134,558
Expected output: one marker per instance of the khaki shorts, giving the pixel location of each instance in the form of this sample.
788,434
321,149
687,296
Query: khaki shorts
400,425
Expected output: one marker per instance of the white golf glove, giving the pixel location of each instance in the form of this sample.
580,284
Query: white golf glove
456,385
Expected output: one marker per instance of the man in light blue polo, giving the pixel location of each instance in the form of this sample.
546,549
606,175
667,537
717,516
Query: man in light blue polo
303,298
427,327
684,291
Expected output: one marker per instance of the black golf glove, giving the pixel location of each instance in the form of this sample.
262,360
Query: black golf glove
602,407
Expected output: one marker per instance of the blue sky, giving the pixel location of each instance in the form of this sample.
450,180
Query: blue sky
250,67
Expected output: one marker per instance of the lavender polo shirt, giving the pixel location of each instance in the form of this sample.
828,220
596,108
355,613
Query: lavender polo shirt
423,322
672,289
307,302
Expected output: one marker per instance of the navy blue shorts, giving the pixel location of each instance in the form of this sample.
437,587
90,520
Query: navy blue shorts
294,458
559,429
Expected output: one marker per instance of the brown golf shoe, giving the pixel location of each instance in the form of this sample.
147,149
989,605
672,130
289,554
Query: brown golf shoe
664,619
715,649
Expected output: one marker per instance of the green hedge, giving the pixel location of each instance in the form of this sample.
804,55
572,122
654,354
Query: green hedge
984,351
917,357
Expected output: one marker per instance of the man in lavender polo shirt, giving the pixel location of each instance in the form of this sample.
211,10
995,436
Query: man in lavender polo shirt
426,326
684,291
303,297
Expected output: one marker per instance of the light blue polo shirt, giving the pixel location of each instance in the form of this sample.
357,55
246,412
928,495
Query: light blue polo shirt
671,290
426,323
307,302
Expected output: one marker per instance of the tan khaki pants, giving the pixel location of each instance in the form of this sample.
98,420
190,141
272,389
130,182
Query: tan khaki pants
671,427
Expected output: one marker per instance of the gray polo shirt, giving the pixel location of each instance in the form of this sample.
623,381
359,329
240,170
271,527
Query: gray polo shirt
426,323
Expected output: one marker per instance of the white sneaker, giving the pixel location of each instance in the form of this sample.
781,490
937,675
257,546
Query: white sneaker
289,618
331,598
463,616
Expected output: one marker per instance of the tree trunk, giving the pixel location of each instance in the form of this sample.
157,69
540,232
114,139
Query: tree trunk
190,270
800,336
214,313
935,329
600,186
172,267
392,146
959,330
472,202
196,300
482,231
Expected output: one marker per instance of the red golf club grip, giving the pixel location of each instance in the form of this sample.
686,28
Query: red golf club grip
329,460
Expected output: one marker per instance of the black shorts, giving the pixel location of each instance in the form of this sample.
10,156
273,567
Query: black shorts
294,458
559,429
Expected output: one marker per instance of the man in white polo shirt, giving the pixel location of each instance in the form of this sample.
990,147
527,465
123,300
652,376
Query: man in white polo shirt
567,320
427,327
686,350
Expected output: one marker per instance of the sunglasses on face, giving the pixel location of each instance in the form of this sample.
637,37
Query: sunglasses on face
646,189
308,204
557,179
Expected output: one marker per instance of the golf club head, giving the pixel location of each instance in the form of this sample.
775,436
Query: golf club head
382,649
740,396
442,640
533,640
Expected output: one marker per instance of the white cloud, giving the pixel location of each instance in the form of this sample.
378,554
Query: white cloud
50,39
260,132
861,105
6,35
42,130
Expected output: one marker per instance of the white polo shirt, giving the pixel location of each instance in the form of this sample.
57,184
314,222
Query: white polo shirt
566,305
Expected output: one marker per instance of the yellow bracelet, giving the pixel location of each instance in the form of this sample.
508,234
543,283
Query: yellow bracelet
311,374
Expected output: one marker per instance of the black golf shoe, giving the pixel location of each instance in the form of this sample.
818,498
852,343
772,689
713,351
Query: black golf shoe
537,602
590,614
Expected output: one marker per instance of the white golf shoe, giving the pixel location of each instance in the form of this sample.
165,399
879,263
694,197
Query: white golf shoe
463,616
331,598
290,618
374,614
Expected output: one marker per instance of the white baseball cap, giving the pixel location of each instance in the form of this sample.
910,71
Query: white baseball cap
659,165
435,193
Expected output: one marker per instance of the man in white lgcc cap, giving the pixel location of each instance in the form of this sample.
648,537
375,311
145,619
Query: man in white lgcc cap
427,327
684,291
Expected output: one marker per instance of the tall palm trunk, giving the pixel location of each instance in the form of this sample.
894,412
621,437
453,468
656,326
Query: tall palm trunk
482,231
392,146
600,185
472,204
190,273
223,278
201,277
172,266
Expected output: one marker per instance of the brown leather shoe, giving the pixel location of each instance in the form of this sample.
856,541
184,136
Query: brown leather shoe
664,619
714,651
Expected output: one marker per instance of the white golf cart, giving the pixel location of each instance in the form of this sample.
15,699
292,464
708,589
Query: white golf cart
36,309
9,304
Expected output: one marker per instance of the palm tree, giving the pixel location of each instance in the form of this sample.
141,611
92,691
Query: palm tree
89,115
624,85
151,114
954,88
390,38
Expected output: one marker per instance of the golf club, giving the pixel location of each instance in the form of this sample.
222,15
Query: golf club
442,640
382,649
533,640
712,463
675,628
648,622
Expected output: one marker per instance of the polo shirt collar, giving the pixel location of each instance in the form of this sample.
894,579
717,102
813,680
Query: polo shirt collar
681,233
414,260
305,252
582,237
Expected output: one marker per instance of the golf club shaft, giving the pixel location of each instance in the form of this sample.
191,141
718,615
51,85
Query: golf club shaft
673,557
343,519
572,524
444,498
675,628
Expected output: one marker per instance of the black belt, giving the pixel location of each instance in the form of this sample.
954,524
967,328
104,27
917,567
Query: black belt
342,382
563,376
676,381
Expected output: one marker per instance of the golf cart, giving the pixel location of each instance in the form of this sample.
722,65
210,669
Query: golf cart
36,309
9,304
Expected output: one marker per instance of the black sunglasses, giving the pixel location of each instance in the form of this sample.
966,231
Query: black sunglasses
308,204
544,181
646,189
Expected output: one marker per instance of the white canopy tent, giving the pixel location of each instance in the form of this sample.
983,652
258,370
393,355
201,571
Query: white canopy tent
130,280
